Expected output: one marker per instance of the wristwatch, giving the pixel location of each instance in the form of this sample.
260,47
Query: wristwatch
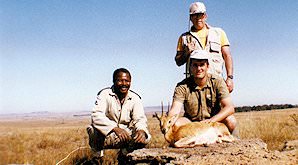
230,76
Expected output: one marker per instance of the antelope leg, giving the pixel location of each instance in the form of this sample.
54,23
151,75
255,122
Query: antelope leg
186,142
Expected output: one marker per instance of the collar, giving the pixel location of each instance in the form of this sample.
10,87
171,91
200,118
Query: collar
206,25
208,84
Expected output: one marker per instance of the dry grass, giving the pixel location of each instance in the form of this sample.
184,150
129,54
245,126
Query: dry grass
273,127
40,141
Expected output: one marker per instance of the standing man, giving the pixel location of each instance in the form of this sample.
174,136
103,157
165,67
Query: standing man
205,97
118,119
204,37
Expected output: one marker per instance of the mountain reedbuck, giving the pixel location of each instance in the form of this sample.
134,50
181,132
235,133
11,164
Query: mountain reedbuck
194,133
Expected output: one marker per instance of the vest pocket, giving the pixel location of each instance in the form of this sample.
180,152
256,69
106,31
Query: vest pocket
216,64
214,47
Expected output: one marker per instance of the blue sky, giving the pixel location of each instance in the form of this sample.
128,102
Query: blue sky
56,55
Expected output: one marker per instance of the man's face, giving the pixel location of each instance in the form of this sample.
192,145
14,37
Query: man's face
122,83
198,20
199,68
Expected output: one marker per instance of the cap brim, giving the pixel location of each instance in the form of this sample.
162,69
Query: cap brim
198,12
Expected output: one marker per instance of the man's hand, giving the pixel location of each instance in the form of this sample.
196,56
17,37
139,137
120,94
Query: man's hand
122,134
183,56
140,136
208,121
230,84
190,47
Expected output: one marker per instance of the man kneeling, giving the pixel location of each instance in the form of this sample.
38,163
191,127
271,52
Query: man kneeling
118,120
205,97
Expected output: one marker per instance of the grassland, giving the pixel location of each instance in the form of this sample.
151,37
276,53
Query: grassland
47,140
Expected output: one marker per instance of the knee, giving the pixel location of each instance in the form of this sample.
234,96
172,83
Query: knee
90,130
231,122
95,138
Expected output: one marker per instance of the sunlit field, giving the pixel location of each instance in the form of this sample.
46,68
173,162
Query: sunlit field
49,140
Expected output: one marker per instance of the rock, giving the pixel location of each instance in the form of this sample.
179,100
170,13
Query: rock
290,145
251,151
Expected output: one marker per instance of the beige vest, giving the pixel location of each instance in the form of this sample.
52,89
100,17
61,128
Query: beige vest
213,47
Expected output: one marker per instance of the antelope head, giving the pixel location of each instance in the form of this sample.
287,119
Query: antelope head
165,122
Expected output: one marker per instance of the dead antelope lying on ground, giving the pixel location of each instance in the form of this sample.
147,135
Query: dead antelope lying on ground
193,133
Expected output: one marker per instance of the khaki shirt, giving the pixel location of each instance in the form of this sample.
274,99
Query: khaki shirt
201,103
108,113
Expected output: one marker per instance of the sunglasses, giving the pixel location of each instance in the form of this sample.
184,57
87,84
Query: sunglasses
200,15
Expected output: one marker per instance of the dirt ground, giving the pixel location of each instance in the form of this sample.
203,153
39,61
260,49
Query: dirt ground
253,151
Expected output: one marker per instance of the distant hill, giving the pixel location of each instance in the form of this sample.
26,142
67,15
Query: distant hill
148,110
264,107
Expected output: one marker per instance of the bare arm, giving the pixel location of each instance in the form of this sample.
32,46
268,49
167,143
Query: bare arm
227,110
175,111
181,58
175,108
229,66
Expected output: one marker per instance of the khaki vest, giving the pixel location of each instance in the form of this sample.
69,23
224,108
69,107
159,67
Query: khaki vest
213,47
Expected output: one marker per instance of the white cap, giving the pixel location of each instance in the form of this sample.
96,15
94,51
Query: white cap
199,55
197,7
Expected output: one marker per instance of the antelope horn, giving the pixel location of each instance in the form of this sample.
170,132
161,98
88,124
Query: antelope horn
156,115
161,108
168,107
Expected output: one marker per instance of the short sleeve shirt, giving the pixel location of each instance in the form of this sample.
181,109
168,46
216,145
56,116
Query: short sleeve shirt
201,103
